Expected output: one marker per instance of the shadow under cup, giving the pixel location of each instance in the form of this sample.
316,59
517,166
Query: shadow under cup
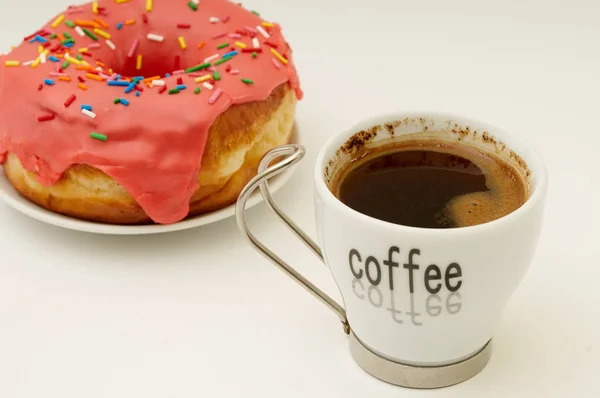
419,298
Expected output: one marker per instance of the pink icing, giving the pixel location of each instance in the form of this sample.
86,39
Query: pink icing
155,145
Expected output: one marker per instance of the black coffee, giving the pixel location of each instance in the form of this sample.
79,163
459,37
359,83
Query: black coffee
431,184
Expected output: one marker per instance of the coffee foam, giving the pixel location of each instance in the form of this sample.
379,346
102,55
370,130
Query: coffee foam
507,190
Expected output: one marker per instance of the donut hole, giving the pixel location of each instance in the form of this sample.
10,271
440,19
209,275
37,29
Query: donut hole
154,63
157,68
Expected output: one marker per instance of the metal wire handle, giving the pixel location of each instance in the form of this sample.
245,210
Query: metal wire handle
293,154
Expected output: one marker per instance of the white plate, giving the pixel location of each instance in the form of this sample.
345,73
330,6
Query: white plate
13,199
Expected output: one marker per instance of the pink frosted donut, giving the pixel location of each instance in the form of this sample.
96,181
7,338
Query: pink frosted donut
143,111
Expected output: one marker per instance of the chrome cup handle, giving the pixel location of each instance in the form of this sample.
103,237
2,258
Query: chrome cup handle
292,155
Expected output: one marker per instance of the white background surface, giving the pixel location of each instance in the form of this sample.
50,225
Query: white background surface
200,314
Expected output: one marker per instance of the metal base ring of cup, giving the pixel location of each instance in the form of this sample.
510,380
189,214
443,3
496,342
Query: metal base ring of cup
423,377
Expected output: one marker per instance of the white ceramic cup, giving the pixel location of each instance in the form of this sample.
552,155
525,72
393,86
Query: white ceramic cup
421,304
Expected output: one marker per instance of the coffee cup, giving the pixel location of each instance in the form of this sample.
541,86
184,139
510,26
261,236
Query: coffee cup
420,305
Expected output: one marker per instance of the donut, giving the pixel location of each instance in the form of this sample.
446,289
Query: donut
144,111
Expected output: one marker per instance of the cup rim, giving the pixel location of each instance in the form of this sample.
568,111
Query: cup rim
535,163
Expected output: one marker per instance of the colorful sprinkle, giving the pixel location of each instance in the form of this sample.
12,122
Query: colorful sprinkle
248,81
130,22
88,107
263,32
255,43
95,7
88,24
277,64
79,31
102,33
119,25
124,101
137,93
230,54
139,62
173,91
267,24
216,75
46,118
254,54
49,82
116,83
158,83
101,23
211,58
98,136
201,44
155,37
222,61
213,98
94,77
58,21
148,5
162,89
182,43
184,25
130,87
198,67
70,100
181,87
203,78
223,45
208,86
70,24
90,35
279,56
240,44
111,45
144,18
64,78
72,60
133,48
39,39
219,36
193,6
12,63
213,19
197,90
88,113
82,86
